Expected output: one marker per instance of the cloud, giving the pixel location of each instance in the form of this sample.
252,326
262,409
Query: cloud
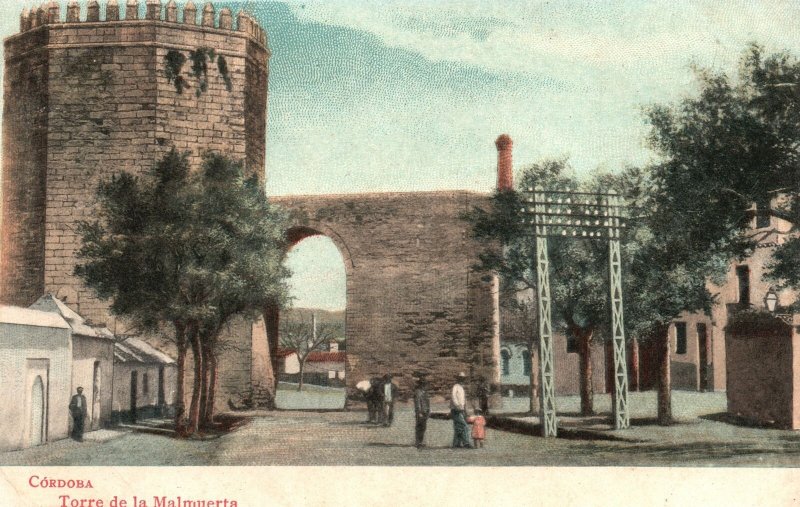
566,38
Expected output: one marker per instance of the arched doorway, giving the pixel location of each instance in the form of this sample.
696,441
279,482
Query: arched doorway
37,412
312,345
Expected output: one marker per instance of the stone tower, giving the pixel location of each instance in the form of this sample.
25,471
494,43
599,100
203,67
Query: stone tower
85,99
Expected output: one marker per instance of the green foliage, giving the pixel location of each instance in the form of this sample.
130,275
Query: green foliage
173,67
200,58
578,269
178,246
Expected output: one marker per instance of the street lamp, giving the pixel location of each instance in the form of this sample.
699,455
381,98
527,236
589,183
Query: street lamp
771,300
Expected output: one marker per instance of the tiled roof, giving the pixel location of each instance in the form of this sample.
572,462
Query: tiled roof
133,350
327,357
28,317
317,356
50,303
285,353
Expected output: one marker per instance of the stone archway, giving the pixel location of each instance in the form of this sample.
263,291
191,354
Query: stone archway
414,299
272,313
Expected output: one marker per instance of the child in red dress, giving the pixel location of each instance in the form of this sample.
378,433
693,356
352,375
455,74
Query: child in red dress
478,427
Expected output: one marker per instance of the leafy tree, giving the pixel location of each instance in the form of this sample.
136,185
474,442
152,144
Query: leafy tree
305,337
578,269
732,145
191,250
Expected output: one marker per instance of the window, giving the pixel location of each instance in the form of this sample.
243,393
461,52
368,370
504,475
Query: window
505,357
743,275
331,374
145,384
572,344
526,362
680,337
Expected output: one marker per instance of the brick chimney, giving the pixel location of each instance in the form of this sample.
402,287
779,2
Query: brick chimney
505,166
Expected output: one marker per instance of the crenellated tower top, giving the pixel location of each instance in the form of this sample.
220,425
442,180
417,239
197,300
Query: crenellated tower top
127,11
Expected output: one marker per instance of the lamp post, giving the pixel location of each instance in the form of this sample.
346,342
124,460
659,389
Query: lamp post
771,302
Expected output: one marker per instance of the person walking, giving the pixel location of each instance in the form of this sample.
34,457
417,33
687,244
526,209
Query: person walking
458,407
389,394
422,410
77,408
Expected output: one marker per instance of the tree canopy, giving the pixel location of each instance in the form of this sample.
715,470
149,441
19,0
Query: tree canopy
188,248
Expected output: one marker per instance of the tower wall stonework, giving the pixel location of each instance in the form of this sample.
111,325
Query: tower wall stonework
414,299
88,99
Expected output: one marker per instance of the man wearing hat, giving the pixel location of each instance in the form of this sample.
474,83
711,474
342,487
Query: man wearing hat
422,410
77,408
458,413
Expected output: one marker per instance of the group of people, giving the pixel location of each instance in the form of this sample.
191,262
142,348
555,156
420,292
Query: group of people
381,393
380,396
458,414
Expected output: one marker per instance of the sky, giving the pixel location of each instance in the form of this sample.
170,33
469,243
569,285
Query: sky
406,95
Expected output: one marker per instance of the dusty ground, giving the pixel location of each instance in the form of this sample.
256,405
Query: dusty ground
342,438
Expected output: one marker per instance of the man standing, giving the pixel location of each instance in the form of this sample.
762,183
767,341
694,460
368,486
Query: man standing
77,407
422,410
389,394
458,413
482,391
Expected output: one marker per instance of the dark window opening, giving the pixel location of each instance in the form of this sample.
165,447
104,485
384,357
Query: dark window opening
145,384
506,359
743,275
680,337
526,362
572,344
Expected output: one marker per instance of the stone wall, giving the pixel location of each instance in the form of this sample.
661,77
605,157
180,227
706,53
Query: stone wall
414,301
86,99
761,376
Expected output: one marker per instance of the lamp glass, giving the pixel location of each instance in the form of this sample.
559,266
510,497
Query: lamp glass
771,300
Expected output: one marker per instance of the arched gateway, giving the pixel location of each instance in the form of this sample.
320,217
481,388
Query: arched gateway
414,299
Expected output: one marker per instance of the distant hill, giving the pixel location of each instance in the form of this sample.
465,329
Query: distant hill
323,316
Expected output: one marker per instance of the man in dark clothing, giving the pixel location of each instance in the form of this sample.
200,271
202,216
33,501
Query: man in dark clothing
422,410
77,407
482,391
375,400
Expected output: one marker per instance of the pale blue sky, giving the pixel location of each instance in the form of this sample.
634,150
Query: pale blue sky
410,95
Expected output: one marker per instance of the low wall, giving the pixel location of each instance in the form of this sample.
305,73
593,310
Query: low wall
760,375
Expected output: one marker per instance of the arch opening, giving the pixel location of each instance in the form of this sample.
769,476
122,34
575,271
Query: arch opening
311,350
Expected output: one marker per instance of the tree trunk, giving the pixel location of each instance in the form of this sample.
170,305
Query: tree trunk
585,336
180,393
204,382
211,367
635,364
194,407
664,377
302,369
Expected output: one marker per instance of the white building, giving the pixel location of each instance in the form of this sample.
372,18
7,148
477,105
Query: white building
35,375
145,381
92,360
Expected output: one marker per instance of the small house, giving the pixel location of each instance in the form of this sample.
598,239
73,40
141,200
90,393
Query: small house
35,375
145,381
92,360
